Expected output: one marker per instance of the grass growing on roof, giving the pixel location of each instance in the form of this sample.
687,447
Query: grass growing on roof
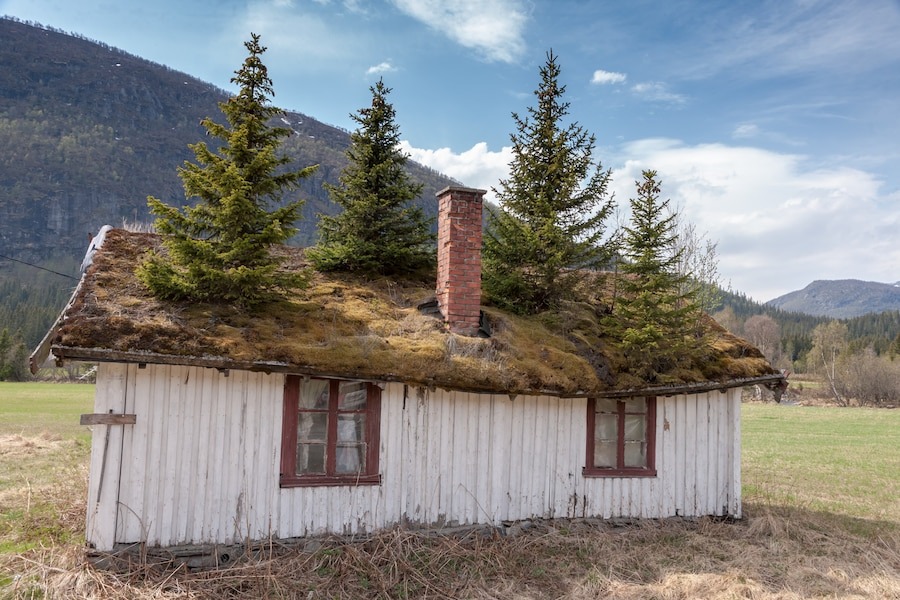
351,326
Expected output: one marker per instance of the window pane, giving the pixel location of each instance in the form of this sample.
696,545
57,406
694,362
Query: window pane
312,427
605,428
635,454
606,405
310,458
352,396
314,394
351,446
636,405
605,454
635,426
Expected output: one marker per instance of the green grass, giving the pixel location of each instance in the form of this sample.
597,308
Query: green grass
843,461
30,409
41,445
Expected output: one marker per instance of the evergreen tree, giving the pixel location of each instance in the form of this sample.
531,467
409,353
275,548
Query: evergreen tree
379,231
220,249
13,357
553,207
655,311
5,347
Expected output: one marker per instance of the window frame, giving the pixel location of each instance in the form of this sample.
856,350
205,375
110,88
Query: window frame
591,470
288,476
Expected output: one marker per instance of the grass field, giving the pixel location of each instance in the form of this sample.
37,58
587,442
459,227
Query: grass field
830,459
41,445
822,520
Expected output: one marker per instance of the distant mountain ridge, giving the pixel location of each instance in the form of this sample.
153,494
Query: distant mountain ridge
89,131
841,299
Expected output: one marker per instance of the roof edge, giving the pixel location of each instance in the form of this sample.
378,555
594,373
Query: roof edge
94,355
42,352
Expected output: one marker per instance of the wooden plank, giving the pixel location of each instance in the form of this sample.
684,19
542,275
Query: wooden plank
107,419
127,523
734,403
106,456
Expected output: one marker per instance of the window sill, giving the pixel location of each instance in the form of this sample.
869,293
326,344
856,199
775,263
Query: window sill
325,480
618,472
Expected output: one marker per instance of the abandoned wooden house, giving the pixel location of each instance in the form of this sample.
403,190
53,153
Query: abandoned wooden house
352,407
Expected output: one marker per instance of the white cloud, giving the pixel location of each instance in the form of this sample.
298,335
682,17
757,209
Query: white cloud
477,167
780,223
745,130
655,91
384,67
492,27
792,37
602,77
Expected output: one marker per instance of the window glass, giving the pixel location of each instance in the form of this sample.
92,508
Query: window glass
310,458
314,394
351,444
607,405
352,396
635,426
606,428
635,454
605,454
636,405
312,435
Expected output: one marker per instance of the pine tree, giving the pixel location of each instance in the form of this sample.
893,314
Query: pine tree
379,231
553,207
655,313
220,249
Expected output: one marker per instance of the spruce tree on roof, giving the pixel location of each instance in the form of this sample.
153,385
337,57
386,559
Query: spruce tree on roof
554,207
655,313
379,230
219,250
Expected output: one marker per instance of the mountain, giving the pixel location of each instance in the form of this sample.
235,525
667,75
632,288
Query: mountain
89,131
841,299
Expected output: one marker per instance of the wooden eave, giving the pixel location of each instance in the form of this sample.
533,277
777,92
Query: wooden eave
37,358
224,364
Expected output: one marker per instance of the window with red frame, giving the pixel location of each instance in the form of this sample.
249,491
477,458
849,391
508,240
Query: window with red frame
621,437
330,432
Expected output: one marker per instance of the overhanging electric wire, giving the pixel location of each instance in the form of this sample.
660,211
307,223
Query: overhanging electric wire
37,267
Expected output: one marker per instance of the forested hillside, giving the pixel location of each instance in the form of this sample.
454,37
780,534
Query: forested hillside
88,132
94,131
793,331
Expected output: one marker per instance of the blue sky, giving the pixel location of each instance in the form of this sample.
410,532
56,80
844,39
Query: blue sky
774,125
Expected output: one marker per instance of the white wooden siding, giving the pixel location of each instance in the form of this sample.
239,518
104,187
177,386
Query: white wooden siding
201,464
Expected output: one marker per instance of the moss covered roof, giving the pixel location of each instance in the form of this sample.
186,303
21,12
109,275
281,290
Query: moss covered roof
352,327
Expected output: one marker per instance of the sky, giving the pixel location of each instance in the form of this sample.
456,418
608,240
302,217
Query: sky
773,126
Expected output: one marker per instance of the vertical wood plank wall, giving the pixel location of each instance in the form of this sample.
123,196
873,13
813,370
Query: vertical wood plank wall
201,463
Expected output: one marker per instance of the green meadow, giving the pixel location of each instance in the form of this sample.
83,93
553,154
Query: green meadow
842,461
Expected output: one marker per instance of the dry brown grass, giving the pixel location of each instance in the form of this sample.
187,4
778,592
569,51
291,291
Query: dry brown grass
776,553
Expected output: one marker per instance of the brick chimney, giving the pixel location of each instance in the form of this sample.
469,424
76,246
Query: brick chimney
459,258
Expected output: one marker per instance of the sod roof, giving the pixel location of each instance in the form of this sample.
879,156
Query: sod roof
373,329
